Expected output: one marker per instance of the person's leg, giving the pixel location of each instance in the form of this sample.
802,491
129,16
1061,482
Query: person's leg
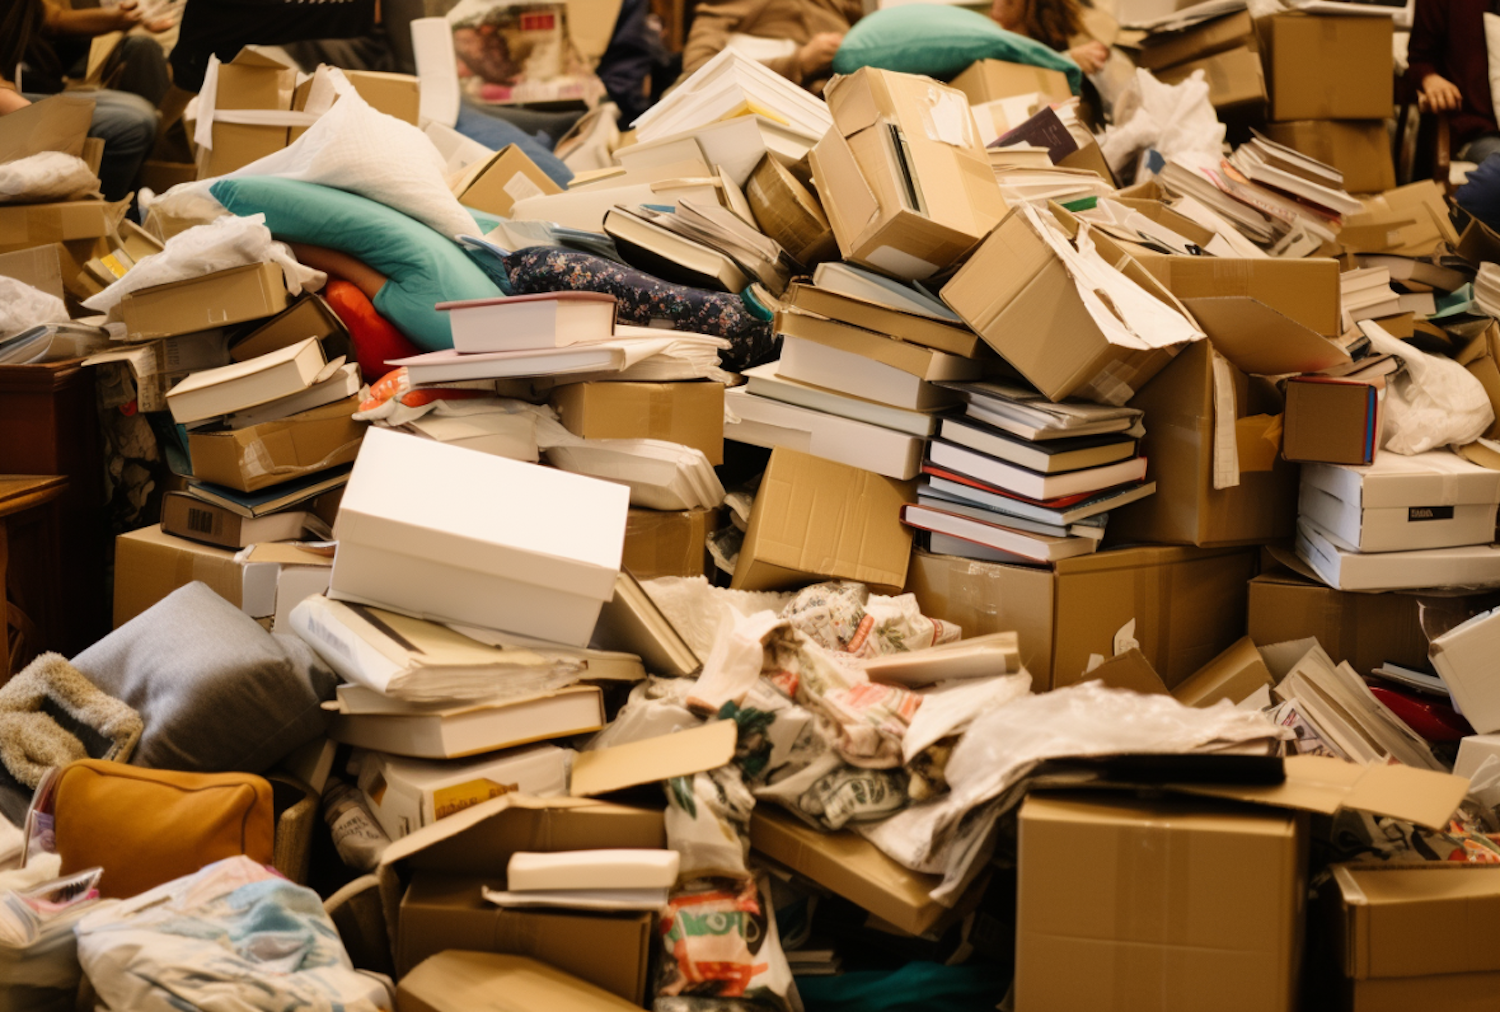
1480,148
496,133
142,68
127,125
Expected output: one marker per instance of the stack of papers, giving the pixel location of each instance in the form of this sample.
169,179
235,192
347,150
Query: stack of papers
732,85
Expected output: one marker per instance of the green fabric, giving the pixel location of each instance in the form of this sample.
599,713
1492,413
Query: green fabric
915,987
421,266
941,42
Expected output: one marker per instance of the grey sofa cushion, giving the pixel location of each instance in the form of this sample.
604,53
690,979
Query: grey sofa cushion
216,691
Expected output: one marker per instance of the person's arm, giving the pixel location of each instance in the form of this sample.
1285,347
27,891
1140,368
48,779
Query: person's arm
90,21
1429,32
10,98
712,25
330,261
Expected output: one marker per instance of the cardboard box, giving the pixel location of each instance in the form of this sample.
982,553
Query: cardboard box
1473,750
441,912
991,80
1236,675
157,365
688,413
1331,421
1236,80
149,565
1179,450
462,981
1328,67
398,95
1416,569
1305,292
308,317
669,543
26,225
1187,605
495,184
271,453
848,865
790,213
1409,220
1160,50
56,123
1432,500
406,794
213,300
1482,358
478,539
1465,658
250,81
815,519
1171,905
1017,293
903,176
1360,149
40,267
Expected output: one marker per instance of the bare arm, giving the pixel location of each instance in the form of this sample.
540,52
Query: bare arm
330,261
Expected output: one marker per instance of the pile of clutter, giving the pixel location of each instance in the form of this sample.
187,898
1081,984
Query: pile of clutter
850,543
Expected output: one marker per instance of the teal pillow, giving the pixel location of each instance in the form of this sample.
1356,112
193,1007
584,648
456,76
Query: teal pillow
941,42
421,266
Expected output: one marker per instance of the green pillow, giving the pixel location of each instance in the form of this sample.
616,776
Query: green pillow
421,266
941,42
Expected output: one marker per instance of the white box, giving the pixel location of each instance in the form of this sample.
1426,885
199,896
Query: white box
1465,657
1473,751
1472,566
455,535
1398,503
761,421
407,794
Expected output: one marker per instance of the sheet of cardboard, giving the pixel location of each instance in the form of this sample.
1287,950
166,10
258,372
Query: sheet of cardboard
1417,920
1328,67
149,565
1410,220
464,981
1304,291
227,297
669,543
1482,358
495,184
1129,670
269,454
815,518
56,123
606,770
1236,675
691,414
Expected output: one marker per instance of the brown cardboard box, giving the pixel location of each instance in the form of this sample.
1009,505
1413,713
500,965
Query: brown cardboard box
790,213
1482,358
1128,670
1360,149
989,80
863,181
1478,242
236,295
308,317
398,95
495,184
1235,675
249,81
40,267
268,454
815,519
1330,422
1410,220
456,981
1328,67
23,225
477,843
160,176
1304,291
149,565
1187,604
1167,49
1019,296
850,866
56,123
1179,450
440,912
1235,78
1452,992
1168,905
669,543
688,413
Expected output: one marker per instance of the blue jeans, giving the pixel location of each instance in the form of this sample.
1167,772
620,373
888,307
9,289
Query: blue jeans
126,124
495,133
1480,148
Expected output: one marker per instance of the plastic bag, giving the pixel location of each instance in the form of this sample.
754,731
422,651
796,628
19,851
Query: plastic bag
203,249
48,176
1433,402
1175,119
23,307
719,941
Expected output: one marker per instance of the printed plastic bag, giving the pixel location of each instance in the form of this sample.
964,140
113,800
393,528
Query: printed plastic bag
1433,402
719,941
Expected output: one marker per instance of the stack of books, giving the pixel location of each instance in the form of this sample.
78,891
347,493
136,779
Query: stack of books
1019,479
862,358
701,245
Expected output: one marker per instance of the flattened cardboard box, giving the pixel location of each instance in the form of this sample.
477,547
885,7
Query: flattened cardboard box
669,543
56,123
1188,606
814,518
691,414
494,185
1360,149
149,565
268,454
1328,67
220,299
990,80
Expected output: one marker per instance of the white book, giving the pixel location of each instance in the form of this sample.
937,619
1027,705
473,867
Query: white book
822,366
1256,169
343,383
1029,483
750,87
1035,547
620,868
765,381
1093,506
602,900
761,421
242,385
927,496
531,322
946,544
447,366
1023,412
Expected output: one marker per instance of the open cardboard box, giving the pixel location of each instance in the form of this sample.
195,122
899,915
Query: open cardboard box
259,456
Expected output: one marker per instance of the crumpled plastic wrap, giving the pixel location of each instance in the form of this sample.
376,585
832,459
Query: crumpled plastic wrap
1433,402
47,176
1175,119
223,243
23,307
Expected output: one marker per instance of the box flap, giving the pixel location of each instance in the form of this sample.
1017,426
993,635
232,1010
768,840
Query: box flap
847,199
463,981
286,553
57,123
1129,670
1261,341
643,762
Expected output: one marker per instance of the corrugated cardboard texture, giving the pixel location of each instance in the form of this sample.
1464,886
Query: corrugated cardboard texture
815,519
1327,422
467,981
236,295
1364,629
1235,78
1418,920
1178,447
1126,905
1360,149
1234,675
441,912
1306,291
149,565
275,452
40,267
989,80
1328,67
502,180
1167,49
663,543
1187,604
688,413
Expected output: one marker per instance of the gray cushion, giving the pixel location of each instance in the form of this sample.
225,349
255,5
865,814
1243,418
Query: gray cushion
217,692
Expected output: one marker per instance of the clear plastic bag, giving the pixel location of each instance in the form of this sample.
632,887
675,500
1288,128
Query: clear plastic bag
1433,402
48,176
1175,119
23,307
